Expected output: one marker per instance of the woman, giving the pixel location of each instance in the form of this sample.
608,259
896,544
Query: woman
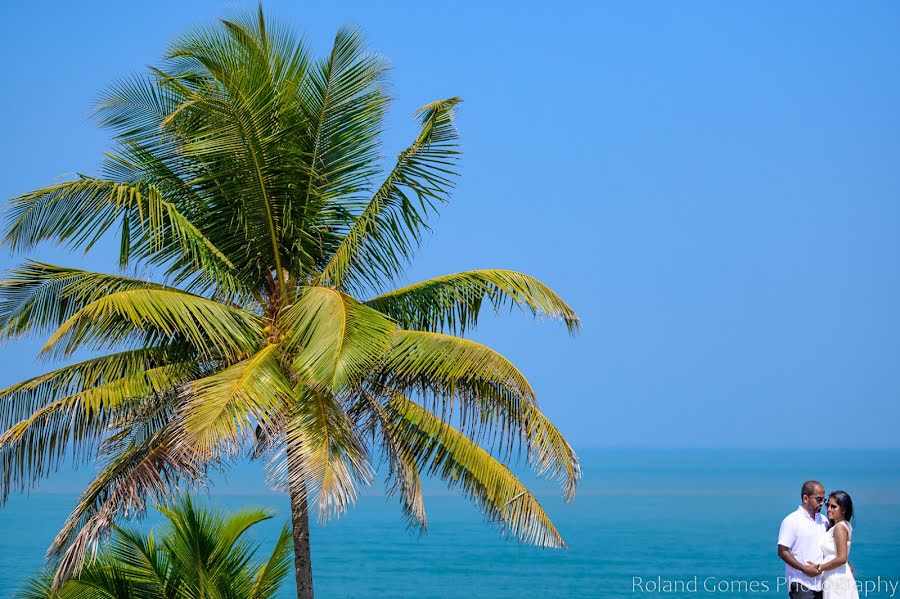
838,581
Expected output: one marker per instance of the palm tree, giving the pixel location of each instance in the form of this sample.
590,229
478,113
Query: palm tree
246,179
200,554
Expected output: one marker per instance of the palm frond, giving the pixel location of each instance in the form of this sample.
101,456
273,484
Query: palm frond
403,471
342,112
496,402
452,303
335,340
200,553
443,451
289,140
73,425
20,400
269,575
549,453
140,556
210,552
452,369
326,452
37,297
102,581
78,213
381,239
244,130
39,587
134,108
221,408
211,328
148,467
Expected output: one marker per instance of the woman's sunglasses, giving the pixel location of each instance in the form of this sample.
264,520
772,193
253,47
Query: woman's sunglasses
833,506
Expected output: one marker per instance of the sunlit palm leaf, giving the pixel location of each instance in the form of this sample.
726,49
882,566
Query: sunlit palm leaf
496,401
37,298
335,340
452,303
403,472
549,453
146,469
78,213
490,389
381,239
444,451
270,574
211,328
331,460
72,426
224,406
19,401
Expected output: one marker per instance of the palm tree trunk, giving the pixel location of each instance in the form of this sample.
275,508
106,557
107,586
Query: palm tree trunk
300,528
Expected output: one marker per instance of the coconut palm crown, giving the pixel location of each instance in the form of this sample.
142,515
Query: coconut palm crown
200,553
246,177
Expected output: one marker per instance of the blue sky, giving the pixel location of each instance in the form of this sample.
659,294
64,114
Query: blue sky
713,186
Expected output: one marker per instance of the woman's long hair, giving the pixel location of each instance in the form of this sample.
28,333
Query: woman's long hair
842,498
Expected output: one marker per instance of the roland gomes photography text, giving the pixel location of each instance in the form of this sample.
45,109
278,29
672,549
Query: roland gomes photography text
875,587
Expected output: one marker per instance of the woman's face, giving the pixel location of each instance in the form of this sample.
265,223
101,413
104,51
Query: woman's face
835,512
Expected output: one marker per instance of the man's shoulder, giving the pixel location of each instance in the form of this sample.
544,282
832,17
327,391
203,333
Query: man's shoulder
790,517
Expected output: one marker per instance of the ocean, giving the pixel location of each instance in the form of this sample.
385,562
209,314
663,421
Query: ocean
644,523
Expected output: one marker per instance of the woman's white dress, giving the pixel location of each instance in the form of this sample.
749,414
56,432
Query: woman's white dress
839,582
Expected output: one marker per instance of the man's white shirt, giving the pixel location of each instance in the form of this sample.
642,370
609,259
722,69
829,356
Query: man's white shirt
803,536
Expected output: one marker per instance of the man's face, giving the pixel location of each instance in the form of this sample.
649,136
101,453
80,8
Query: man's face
813,503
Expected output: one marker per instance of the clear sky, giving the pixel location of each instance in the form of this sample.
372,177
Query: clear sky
712,185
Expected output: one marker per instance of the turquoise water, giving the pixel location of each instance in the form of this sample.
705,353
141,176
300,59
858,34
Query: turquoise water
666,517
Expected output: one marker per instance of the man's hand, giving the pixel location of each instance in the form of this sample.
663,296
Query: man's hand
810,569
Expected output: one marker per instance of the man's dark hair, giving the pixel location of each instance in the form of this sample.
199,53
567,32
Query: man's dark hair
809,487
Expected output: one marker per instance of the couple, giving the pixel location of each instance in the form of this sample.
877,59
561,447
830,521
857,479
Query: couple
816,549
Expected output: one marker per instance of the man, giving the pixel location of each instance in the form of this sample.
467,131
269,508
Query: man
800,543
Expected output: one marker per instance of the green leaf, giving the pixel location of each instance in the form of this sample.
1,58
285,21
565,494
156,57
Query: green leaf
220,408
381,239
330,460
19,401
497,403
146,469
36,298
211,328
444,451
454,368
78,213
403,469
270,574
335,340
73,425
452,303
200,553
